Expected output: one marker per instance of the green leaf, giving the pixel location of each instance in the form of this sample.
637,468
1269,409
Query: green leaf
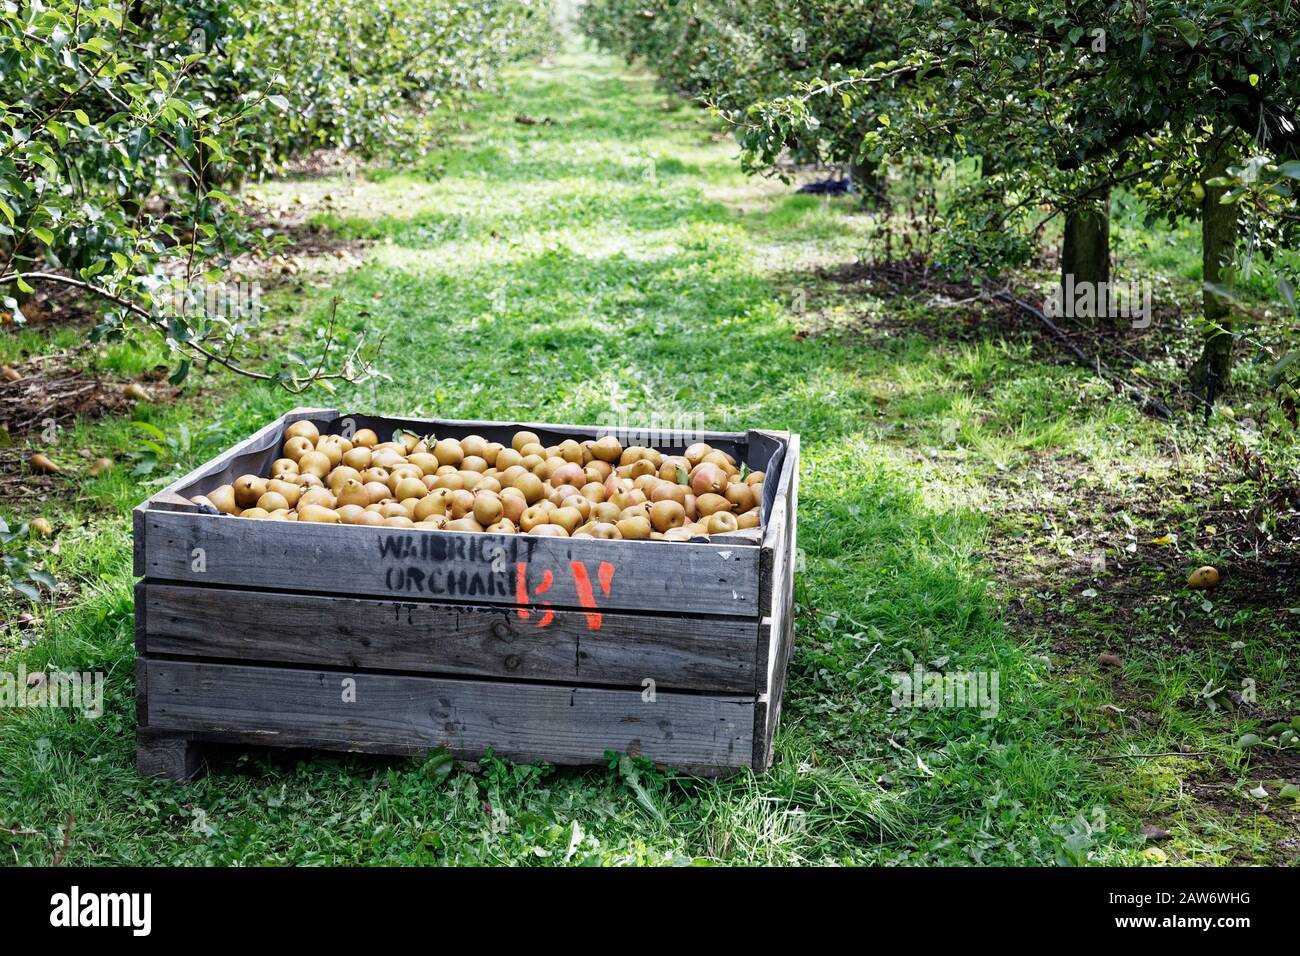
150,429
218,154
439,766
1188,30
148,462
1249,740
135,141
1280,366
111,14
43,234
43,577
7,211
47,162
627,769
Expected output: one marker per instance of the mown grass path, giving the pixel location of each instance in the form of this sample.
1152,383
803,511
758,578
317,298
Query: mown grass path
613,262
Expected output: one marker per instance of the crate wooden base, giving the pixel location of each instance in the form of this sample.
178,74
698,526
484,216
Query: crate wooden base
393,641
397,714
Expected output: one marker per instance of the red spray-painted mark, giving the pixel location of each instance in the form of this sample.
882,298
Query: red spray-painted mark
604,575
586,596
547,579
521,593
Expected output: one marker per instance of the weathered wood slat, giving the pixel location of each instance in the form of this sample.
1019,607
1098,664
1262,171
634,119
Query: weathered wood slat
771,566
670,437
776,629
289,707
780,670
141,690
259,439
777,551
225,467
482,568
676,653
777,632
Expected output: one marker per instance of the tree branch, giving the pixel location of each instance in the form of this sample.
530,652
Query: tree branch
299,384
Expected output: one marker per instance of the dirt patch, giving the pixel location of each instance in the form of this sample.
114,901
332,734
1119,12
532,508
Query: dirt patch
954,311
1060,549
57,388
1271,769
1065,533
1097,578
53,397
53,304
303,246
19,483
897,277
314,240
1147,355
321,163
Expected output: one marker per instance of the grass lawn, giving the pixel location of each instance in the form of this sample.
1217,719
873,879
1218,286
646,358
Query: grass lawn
613,264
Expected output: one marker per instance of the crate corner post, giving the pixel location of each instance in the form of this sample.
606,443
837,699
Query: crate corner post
167,757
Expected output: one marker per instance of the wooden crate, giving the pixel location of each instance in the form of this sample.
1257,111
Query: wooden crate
397,641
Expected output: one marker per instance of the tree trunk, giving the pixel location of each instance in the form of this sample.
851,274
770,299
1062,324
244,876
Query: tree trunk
1213,370
1085,251
988,169
869,183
